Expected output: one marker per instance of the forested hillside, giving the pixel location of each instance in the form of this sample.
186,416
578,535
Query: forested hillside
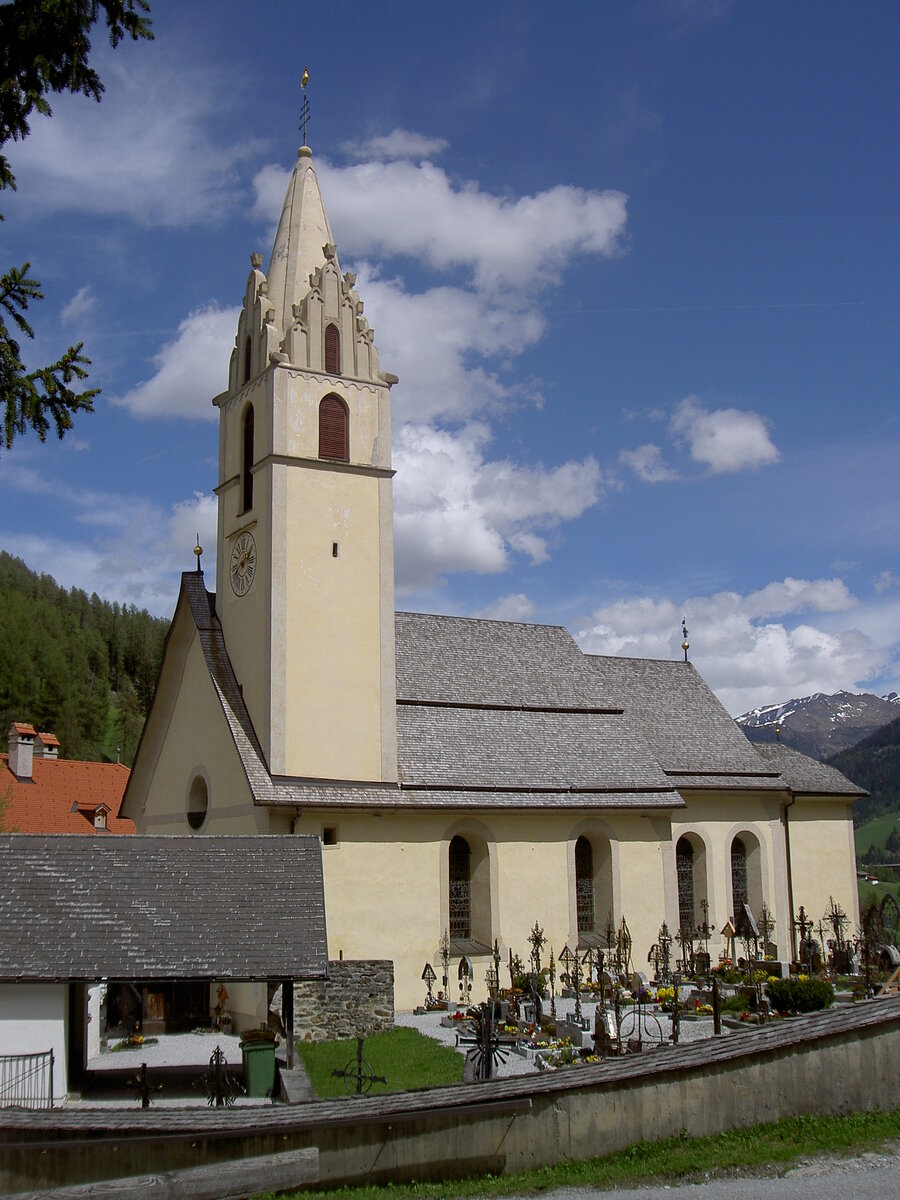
874,763
75,665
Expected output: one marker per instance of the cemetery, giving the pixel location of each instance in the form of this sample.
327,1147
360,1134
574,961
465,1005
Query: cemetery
613,1049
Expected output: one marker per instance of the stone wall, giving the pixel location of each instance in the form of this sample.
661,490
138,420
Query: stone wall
357,998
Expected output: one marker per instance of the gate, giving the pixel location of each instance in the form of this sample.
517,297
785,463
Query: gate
26,1080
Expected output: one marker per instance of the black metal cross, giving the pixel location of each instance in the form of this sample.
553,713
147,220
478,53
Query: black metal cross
358,1076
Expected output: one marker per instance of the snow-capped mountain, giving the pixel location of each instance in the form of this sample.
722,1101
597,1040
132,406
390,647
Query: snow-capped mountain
821,725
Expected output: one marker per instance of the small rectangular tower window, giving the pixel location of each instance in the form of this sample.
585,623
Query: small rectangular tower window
334,550
329,836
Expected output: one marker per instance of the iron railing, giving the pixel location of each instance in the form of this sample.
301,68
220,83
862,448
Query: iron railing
26,1080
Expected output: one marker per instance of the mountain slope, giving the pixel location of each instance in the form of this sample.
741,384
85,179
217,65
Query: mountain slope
821,725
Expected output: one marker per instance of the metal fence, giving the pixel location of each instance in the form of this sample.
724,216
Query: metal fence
26,1080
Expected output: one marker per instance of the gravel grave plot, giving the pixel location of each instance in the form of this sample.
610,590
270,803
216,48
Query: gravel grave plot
692,1030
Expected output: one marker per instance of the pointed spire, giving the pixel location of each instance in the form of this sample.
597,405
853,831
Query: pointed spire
303,231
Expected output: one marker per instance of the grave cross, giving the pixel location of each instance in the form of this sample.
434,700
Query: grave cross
144,1087
428,978
358,1076
538,941
445,962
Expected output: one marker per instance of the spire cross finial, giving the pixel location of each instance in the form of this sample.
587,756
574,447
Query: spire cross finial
304,107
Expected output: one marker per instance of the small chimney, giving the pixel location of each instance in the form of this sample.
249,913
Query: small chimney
21,749
46,746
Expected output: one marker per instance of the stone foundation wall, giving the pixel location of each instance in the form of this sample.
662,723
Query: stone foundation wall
357,998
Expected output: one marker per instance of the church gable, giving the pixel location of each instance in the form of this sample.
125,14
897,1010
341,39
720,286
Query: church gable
189,765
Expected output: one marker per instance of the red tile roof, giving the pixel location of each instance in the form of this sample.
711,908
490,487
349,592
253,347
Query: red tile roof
62,797
24,728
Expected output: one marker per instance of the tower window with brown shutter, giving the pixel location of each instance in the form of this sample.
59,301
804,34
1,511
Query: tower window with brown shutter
334,441
332,350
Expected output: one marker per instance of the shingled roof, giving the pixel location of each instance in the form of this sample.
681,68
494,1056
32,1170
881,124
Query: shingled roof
502,714
806,776
166,907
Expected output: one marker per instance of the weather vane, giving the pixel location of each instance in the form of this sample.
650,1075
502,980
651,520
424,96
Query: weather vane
198,550
685,645
304,107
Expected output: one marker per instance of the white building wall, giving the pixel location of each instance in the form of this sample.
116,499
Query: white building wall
34,1019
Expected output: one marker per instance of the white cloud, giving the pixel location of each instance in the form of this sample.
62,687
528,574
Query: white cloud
455,511
382,209
445,344
724,439
82,303
885,581
135,551
146,151
744,651
189,370
399,143
647,463
514,607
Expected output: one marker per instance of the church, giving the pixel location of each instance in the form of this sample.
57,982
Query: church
466,778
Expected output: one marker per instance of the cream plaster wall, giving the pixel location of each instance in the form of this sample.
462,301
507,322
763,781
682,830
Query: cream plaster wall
823,858
716,819
34,1019
246,619
198,741
333,629
386,884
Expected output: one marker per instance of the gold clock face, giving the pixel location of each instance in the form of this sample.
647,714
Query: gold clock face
243,563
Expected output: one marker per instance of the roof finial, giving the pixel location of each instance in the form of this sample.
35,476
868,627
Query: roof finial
198,550
685,645
304,107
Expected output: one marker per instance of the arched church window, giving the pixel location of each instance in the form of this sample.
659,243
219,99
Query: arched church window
247,461
460,890
248,349
684,870
584,885
333,429
332,350
740,892
198,802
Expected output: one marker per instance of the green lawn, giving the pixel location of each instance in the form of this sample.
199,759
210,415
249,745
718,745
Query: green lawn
868,891
405,1057
678,1160
876,833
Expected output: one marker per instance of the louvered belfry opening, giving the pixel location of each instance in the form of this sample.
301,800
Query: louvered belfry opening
332,350
460,890
248,359
247,460
333,422
584,885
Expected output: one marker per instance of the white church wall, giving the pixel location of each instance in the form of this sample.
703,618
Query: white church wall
34,1019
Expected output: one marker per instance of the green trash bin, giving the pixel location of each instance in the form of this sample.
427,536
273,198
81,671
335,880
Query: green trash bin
258,1055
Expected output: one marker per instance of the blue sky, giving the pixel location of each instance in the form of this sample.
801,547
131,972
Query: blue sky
635,265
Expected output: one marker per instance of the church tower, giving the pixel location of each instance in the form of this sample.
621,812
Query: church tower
305,569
